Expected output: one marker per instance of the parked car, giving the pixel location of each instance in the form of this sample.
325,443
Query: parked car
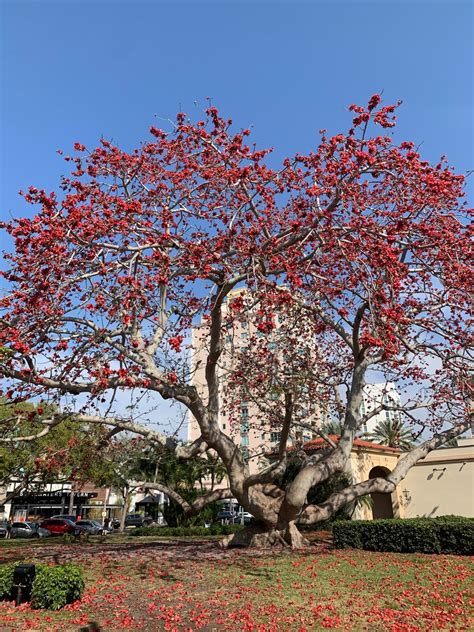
3,528
134,520
226,517
65,517
243,517
91,526
28,530
60,526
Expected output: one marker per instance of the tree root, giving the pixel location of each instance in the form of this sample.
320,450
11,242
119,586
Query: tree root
261,537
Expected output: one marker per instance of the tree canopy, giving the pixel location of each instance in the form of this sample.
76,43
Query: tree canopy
354,259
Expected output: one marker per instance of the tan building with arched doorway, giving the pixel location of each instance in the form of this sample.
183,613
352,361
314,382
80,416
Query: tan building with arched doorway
369,460
440,484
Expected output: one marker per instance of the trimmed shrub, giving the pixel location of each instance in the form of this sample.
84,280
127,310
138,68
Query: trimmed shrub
457,537
446,534
68,538
53,586
6,580
215,529
56,586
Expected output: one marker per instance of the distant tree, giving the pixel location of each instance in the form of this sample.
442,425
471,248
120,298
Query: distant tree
332,427
190,478
129,463
32,453
394,433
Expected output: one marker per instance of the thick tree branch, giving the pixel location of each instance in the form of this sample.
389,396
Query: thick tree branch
189,508
324,511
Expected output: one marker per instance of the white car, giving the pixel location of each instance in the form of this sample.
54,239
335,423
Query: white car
243,517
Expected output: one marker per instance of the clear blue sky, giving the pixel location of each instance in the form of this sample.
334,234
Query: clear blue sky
76,70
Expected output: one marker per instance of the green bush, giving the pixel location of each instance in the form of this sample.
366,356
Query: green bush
446,534
53,586
68,538
215,529
457,537
56,586
224,529
6,580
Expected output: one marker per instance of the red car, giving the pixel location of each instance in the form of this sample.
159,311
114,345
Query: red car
59,526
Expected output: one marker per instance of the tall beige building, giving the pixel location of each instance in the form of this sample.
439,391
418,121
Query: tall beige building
242,415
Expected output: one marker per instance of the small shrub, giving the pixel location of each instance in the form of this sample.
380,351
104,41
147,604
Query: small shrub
68,538
6,580
215,529
56,586
53,586
446,534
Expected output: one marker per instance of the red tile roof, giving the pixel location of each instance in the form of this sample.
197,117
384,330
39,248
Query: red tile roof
317,444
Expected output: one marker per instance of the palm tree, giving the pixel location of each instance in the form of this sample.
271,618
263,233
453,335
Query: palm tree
452,443
393,433
332,427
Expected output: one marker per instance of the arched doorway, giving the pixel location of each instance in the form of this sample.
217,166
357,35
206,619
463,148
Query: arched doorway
382,506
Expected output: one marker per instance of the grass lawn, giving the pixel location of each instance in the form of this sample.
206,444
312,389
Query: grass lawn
150,585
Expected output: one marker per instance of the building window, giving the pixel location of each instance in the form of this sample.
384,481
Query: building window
245,454
244,411
244,440
228,339
275,437
244,427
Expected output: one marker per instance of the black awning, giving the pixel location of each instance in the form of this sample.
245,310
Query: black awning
148,500
50,497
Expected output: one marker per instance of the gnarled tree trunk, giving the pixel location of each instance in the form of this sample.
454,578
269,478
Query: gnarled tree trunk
264,537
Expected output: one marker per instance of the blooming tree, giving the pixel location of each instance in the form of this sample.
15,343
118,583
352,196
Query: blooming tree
354,261
65,453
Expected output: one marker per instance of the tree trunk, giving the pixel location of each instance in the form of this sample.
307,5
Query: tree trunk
71,500
9,496
260,536
126,502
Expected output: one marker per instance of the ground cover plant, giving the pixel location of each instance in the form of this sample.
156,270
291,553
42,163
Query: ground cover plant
215,529
187,587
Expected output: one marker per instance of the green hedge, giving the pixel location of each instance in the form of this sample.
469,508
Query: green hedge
446,534
53,586
215,529
6,580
